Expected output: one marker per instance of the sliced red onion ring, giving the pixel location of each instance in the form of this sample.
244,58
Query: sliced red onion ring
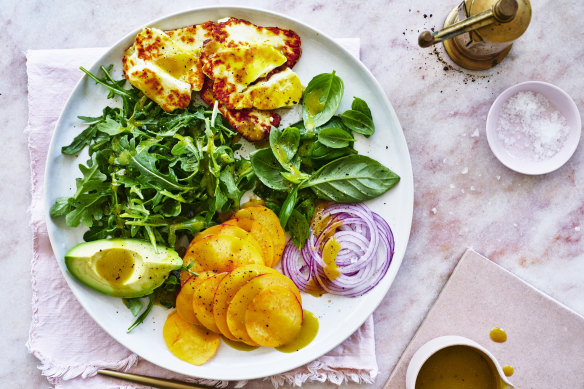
367,247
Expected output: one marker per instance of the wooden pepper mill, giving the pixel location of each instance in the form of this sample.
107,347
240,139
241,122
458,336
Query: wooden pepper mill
478,34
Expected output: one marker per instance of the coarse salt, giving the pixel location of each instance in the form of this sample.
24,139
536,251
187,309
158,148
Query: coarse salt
529,126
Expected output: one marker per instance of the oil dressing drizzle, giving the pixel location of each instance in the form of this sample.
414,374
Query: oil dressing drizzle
307,334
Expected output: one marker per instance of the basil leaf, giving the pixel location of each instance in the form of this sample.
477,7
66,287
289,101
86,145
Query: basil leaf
135,305
335,138
307,207
267,169
361,106
322,98
299,228
284,144
320,152
351,179
288,206
358,122
295,176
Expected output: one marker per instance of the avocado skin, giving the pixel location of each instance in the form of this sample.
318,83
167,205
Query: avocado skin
149,270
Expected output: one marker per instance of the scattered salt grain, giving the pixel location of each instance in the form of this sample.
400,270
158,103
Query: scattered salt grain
530,126
465,170
434,210
577,228
475,134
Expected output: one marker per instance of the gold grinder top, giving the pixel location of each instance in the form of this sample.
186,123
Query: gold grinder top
500,32
496,21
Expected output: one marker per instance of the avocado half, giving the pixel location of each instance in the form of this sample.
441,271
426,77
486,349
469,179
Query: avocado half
121,267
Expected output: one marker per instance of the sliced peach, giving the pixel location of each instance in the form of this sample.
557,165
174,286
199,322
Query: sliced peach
184,299
203,297
226,229
188,342
244,296
221,253
270,221
227,289
184,302
260,234
274,317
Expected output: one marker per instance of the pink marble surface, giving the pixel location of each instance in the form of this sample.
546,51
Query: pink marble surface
530,225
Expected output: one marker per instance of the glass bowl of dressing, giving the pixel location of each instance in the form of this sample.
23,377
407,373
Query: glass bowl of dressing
533,127
455,362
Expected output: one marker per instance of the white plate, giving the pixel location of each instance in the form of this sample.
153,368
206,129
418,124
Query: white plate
339,317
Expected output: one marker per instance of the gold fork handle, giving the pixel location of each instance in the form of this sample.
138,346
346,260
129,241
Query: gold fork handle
151,381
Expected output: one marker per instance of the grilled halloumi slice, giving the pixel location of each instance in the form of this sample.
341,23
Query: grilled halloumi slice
253,124
166,65
233,69
282,89
192,38
244,60
236,32
156,47
164,89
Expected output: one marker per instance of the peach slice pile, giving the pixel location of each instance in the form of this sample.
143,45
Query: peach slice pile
237,293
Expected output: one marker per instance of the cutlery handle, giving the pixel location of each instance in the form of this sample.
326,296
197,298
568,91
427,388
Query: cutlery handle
152,381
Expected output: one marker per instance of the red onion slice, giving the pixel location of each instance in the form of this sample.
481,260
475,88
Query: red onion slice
367,247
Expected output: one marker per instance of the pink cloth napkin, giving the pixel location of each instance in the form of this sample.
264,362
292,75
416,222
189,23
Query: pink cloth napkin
70,346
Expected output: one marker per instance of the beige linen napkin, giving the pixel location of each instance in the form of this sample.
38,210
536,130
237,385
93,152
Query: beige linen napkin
70,346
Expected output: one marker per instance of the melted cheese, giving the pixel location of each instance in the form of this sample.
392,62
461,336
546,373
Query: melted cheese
234,69
192,38
166,66
283,89
235,32
245,61
155,47
167,91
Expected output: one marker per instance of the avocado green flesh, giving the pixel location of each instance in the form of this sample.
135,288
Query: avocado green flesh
121,267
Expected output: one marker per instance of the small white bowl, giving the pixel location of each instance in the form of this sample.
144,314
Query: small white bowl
433,346
562,102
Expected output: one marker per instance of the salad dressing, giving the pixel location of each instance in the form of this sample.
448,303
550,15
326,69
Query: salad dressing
318,222
115,265
313,106
508,371
498,335
238,345
458,367
307,333
329,256
314,289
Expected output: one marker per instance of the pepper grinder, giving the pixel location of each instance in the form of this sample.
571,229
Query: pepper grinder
478,34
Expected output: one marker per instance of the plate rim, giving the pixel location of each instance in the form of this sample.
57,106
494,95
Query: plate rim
406,177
